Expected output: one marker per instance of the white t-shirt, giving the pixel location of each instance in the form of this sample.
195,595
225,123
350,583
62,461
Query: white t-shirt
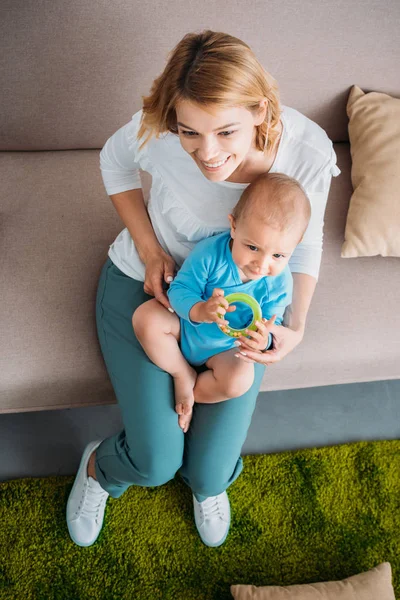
185,207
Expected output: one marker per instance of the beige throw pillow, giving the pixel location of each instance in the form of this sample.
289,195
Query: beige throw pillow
373,219
375,584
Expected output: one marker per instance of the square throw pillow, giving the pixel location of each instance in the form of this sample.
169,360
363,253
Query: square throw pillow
375,584
373,219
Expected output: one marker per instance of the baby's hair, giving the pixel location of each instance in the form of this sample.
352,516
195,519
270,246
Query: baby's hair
277,200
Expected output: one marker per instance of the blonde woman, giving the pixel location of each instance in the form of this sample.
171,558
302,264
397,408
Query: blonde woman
211,124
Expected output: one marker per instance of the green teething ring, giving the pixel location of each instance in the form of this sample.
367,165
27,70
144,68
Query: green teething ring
255,307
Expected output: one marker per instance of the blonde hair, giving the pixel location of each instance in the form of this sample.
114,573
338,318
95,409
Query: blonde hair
211,68
277,200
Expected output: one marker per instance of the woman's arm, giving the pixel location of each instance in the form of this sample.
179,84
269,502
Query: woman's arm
296,313
132,210
159,265
120,164
288,336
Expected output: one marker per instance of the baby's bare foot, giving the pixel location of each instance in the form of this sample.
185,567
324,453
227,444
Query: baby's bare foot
184,399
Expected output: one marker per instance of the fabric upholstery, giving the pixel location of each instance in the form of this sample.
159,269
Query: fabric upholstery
57,225
72,73
76,71
372,585
373,219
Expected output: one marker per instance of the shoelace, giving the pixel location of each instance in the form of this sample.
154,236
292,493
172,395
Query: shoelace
210,508
92,501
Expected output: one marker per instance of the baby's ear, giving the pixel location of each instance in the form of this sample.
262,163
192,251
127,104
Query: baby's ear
233,224
299,242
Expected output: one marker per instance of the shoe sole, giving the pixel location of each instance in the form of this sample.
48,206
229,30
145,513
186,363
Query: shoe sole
83,464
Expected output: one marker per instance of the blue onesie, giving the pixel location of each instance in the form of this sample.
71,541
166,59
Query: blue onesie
208,266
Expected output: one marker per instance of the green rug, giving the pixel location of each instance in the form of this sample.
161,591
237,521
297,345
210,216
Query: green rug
297,517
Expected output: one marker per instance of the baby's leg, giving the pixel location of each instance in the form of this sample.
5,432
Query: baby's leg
158,331
228,377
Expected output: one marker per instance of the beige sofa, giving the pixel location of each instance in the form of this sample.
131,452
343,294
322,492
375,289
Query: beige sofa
73,73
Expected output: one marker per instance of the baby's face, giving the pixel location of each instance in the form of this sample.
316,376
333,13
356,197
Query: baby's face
260,250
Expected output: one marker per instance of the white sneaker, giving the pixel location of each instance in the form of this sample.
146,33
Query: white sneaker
86,503
213,517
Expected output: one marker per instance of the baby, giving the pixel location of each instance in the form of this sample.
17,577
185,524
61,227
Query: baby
266,225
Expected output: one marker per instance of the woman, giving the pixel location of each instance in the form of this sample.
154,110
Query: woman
211,124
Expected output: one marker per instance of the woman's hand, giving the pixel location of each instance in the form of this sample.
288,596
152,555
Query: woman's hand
285,340
160,268
257,340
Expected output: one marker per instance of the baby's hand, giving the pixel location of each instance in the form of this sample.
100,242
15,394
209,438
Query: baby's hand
257,340
214,309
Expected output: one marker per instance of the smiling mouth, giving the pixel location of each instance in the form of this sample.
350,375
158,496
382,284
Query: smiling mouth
215,165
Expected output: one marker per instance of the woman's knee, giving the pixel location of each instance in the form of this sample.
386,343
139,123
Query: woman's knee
157,469
213,483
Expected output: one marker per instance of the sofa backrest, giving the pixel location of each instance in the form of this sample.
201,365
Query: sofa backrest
73,72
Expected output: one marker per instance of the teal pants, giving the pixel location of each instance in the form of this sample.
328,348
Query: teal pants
152,448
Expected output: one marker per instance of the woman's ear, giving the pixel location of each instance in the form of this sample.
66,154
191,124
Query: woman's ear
262,112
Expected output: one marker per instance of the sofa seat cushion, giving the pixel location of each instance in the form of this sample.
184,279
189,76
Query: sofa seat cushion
57,225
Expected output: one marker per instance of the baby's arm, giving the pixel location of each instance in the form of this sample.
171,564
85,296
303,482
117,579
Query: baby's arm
279,297
187,292
189,284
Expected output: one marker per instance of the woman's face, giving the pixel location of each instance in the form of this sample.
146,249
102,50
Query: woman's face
218,139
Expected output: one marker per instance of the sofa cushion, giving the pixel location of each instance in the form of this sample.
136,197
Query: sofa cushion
372,585
73,72
373,220
57,225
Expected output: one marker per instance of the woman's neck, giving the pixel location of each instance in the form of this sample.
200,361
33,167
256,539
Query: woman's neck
256,163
